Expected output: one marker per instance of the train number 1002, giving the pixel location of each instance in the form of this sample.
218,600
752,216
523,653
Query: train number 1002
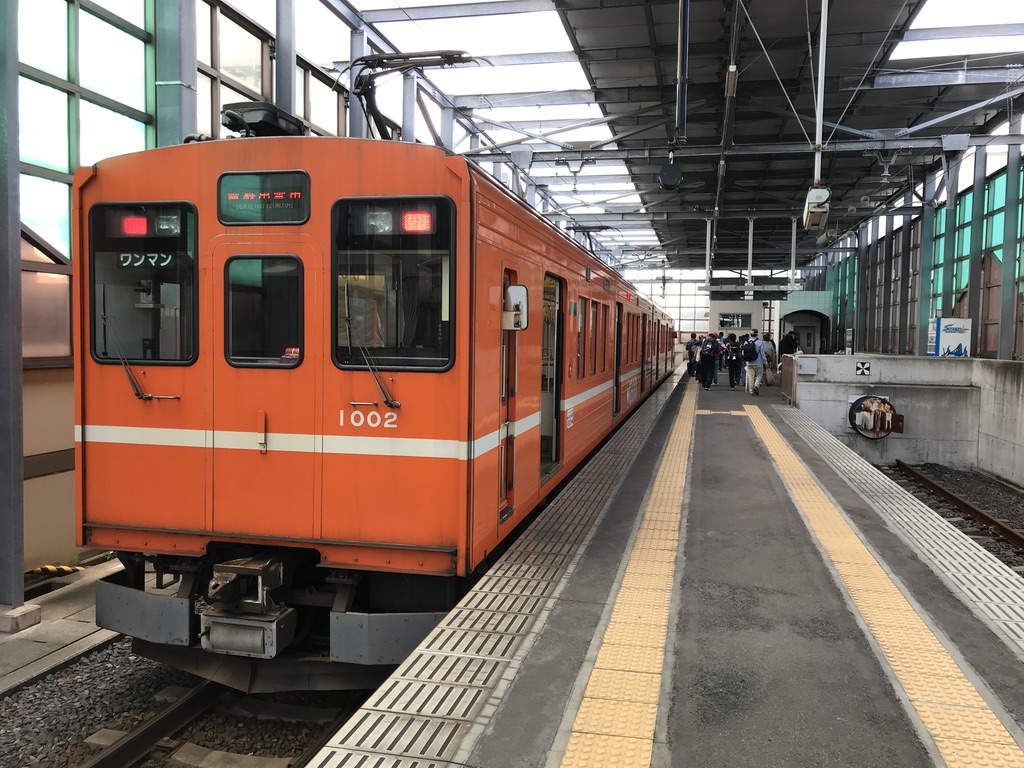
372,419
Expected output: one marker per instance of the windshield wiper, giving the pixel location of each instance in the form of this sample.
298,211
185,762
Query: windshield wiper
378,379
133,380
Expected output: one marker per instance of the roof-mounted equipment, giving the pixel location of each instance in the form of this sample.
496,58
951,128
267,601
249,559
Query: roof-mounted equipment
260,118
816,208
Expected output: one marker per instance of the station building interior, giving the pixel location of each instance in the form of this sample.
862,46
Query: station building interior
847,169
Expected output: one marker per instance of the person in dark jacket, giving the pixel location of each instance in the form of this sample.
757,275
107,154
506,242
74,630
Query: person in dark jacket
788,345
710,351
691,354
733,361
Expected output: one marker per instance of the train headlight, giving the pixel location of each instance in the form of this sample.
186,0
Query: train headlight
378,222
168,223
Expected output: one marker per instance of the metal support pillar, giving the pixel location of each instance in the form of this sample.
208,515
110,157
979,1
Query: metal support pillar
947,300
1011,251
175,71
410,81
902,342
926,265
792,259
707,253
750,251
284,56
448,128
871,288
861,291
358,47
885,251
13,614
977,252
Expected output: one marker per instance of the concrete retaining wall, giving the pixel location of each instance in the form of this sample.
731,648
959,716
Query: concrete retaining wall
962,413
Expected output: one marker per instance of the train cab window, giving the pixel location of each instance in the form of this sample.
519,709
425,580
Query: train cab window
393,265
263,311
142,281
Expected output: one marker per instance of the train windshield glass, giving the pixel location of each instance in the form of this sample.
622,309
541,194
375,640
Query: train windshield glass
143,282
393,272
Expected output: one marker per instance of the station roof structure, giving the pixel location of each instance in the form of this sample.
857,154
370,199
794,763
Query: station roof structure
593,109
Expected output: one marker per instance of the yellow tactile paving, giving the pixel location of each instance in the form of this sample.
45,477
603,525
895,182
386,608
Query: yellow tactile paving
616,718
624,686
965,730
615,722
630,658
591,750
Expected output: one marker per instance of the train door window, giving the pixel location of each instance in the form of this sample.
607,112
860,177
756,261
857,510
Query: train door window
263,311
550,377
592,338
581,338
604,338
142,277
393,264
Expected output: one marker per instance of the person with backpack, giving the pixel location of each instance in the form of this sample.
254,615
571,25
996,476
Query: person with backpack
754,358
733,361
691,355
710,351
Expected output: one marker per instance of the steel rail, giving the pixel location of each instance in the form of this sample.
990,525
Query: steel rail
136,744
306,758
1013,535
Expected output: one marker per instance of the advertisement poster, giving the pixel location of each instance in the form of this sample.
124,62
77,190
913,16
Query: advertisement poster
949,337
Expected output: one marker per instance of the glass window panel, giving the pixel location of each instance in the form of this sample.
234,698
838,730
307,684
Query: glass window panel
319,33
264,311
300,92
143,286
42,125
393,270
204,105
129,10
204,35
323,106
45,314
111,62
229,96
30,253
263,12
46,209
241,55
43,35
105,133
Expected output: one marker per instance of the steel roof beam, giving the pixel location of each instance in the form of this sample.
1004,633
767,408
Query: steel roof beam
954,33
933,79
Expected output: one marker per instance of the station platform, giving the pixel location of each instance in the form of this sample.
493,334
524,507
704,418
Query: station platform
723,584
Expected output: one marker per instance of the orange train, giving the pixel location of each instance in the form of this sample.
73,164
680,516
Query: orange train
318,383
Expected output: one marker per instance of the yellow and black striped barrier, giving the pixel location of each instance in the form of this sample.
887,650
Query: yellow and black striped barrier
57,570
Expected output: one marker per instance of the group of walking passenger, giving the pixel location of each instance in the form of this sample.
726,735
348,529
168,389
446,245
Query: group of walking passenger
749,359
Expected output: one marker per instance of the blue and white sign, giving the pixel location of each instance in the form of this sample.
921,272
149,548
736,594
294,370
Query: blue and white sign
949,337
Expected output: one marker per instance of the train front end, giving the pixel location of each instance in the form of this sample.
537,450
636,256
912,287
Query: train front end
271,401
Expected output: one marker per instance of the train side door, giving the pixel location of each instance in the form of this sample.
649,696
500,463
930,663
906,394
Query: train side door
617,373
645,354
551,376
514,319
266,353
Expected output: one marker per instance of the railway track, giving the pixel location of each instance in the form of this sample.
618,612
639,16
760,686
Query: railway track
986,509
139,743
1012,535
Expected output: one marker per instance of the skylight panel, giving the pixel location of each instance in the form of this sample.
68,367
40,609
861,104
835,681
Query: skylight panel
939,14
